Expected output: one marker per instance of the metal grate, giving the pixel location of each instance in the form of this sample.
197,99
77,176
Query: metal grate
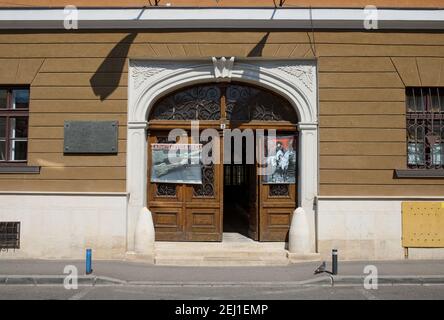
278,190
9,235
425,128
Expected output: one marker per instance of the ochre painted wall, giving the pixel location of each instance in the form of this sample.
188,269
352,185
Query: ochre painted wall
362,76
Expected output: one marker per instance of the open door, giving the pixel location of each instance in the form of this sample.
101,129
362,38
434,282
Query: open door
278,191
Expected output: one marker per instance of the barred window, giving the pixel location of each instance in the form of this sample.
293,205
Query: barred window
14,114
425,128
9,235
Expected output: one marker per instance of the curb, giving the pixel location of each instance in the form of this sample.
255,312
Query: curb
56,280
322,281
389,280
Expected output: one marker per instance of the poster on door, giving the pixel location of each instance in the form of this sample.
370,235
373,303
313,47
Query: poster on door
280,160
176,163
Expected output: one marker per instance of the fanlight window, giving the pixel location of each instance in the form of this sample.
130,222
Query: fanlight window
195,103
234,102
249,103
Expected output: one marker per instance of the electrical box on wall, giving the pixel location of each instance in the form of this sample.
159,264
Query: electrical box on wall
90,137
423,224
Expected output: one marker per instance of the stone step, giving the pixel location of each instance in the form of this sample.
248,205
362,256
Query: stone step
253,244
235,250
221,258
218,261
210,248
222,253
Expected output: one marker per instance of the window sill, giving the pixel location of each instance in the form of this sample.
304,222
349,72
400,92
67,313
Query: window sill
419,173
19,169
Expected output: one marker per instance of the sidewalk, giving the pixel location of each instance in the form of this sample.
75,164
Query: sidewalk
138,272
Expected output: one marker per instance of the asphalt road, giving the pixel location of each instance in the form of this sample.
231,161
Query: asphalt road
208,292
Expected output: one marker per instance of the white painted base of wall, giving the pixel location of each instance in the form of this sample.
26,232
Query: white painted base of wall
365,229
58,226
62,226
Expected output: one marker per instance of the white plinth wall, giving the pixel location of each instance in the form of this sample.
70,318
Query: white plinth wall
367,228
62,225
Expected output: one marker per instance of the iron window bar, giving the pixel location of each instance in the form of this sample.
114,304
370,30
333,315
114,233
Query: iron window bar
425,128
9,235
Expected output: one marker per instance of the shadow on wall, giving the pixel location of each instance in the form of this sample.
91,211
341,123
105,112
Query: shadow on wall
257,50
103,82
107,77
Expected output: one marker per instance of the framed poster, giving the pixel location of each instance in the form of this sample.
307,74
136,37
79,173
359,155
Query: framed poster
176,163
280,159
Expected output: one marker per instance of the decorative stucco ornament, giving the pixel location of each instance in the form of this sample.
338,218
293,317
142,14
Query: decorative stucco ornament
303,73
223,68
141,72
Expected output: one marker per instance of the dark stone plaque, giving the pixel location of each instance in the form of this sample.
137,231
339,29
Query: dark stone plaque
90,137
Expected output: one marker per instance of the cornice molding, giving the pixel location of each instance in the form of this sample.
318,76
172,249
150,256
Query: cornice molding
217,18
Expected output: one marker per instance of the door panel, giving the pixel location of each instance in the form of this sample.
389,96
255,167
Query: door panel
203,224
276,209
168,223
185,212
276,205
276,224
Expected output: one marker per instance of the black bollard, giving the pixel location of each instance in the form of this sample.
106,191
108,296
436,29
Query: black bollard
334,261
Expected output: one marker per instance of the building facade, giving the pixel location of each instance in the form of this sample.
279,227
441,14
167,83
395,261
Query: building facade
83,111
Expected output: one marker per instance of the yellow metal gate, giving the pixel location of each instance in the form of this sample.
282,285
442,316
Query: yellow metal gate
423,224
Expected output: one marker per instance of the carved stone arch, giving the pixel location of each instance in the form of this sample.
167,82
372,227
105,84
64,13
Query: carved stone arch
293,81
150,80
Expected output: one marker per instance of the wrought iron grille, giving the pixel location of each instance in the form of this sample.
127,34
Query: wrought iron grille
425,128
206,189
195,103
245,103
165,189
278,190
9,235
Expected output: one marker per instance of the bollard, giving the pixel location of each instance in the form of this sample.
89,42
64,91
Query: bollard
334,261
88,261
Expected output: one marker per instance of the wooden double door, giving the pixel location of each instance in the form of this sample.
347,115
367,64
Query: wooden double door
199,212
231,198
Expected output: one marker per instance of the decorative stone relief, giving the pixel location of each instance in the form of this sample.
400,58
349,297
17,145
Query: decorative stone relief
141,72
223,68
303,73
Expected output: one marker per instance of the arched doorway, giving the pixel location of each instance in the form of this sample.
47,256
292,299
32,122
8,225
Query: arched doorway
230,196
148,80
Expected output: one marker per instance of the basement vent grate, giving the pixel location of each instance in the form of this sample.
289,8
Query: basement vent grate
9,235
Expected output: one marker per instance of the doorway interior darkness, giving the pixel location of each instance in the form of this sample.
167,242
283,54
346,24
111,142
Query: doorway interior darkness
231,197
240,196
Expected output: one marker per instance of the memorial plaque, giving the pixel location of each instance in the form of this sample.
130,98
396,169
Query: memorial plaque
90,137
